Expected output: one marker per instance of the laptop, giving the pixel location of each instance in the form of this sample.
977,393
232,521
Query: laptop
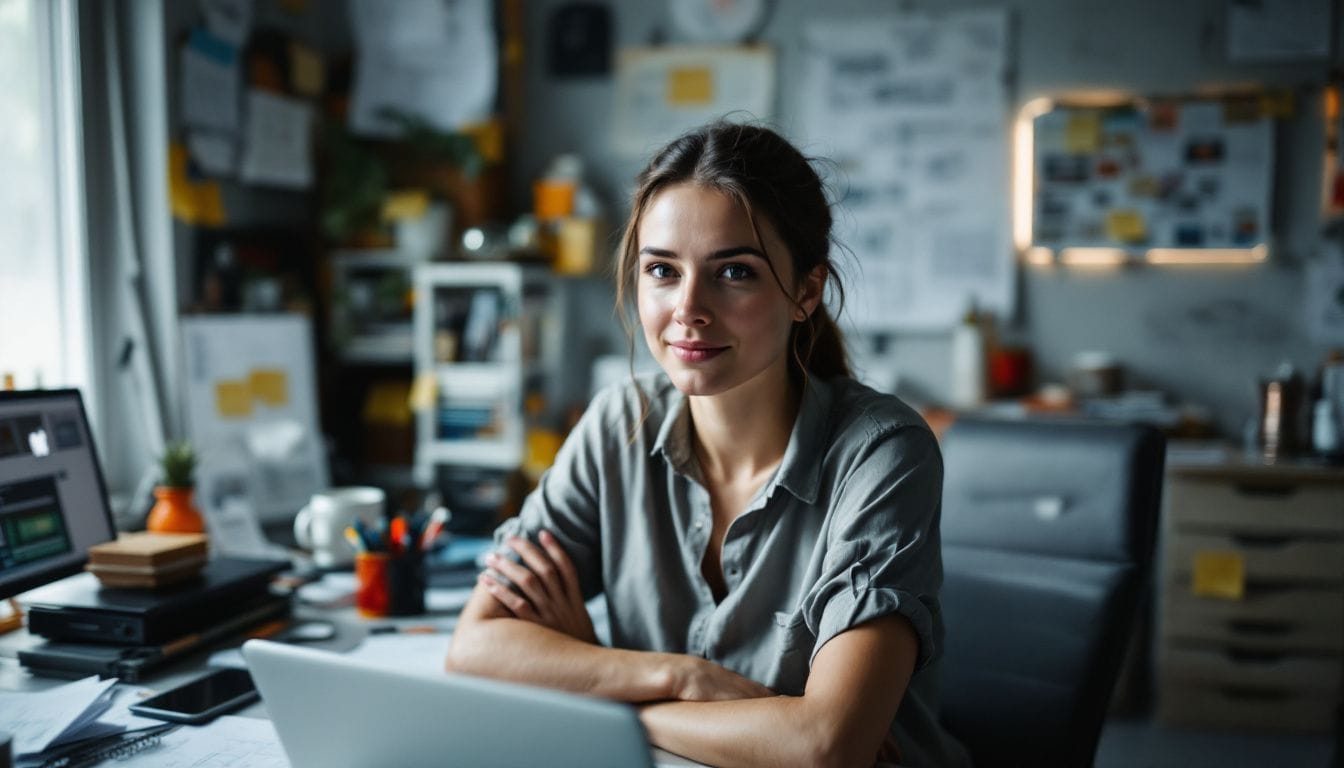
331,711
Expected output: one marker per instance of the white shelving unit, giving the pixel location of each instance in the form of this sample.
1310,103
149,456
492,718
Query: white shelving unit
488,334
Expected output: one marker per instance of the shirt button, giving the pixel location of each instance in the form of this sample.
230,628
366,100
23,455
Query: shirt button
699,522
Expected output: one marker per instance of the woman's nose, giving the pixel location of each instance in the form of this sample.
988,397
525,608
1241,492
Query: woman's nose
691,308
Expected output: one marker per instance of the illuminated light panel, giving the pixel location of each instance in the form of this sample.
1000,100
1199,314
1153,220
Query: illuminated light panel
1093,257
1024,161
1208,255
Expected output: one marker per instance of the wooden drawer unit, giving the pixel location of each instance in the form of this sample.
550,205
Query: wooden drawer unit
1260,643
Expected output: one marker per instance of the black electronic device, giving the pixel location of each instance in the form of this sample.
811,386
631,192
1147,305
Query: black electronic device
53,503
131,662
202,699
80,609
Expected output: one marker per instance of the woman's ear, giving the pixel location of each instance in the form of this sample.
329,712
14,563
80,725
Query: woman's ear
810,290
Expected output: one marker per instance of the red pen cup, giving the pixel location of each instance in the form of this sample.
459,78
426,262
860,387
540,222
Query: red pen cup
371,583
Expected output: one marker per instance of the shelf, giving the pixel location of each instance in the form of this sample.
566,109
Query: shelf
495,453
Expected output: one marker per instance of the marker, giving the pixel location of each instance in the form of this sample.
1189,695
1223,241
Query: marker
356,541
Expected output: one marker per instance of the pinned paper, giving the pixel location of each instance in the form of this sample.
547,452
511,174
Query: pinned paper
1220,575
270,386
423,392
1082,134
277,143
194,202
1126,226
690,86
233,399
209,82
307,75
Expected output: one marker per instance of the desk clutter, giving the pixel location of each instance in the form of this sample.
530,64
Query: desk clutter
92,629
148,560
390,562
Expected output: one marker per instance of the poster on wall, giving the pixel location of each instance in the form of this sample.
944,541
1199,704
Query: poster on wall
1171,174
913,110
252,413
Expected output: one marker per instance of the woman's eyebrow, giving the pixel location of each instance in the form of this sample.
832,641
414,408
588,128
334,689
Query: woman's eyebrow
726,253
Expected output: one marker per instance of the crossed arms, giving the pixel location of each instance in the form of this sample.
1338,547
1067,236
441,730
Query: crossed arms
539,633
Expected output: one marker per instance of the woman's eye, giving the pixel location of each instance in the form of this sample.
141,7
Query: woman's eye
659,271
737,272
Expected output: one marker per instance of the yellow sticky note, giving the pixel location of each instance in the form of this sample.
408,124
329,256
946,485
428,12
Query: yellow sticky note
269,385
209,204
423,392
191,201
1082,134
489,139
405,204
388,402
306,73
1126,226
233,399
690,86
1220,575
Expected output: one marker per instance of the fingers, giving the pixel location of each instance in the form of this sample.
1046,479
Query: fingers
522,578
508,598
539,563
562,562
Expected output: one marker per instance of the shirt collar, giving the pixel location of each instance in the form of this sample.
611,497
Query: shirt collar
800,469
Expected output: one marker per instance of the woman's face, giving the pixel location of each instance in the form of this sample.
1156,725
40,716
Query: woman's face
713,315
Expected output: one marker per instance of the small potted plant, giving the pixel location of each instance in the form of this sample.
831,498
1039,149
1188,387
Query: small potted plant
175,512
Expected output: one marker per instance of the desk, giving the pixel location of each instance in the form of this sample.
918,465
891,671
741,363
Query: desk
352,633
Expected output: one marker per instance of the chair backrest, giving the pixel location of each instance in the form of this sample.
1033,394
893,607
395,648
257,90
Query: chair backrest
1047,532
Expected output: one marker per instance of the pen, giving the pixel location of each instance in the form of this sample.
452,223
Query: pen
435,527
356,541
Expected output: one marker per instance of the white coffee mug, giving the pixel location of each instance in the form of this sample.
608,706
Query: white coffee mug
320,526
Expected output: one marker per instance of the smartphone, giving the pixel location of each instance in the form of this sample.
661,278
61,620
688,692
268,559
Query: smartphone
202,699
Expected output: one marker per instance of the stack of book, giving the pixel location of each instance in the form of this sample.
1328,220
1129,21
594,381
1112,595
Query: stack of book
148,560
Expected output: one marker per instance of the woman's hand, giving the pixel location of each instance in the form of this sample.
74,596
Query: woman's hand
546,587
697,679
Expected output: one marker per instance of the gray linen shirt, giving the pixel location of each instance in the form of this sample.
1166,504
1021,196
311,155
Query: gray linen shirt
845,531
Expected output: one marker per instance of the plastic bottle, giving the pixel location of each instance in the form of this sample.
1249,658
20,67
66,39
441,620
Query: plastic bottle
968,361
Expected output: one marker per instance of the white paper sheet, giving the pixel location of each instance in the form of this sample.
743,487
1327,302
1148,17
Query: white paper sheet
435,59
209,82
914,111
230,20
1324,305
216,153
39,720
663,92
227,741
277,145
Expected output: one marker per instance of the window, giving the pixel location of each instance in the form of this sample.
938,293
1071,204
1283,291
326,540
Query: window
43,271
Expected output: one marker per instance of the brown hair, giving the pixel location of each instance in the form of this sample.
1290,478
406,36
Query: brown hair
767,176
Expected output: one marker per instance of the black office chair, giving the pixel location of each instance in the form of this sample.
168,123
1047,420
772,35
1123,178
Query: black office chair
1047,531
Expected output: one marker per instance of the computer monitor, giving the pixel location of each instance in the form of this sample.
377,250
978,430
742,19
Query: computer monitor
53,503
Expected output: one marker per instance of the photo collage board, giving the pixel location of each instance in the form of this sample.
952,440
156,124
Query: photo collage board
1162,174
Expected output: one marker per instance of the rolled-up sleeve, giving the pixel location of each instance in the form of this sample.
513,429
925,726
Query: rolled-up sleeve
567,501
883,553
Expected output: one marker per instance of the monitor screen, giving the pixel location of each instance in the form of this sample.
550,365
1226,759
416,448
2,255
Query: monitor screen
53,505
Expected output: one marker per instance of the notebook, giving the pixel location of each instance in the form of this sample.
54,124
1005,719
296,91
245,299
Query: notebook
331,711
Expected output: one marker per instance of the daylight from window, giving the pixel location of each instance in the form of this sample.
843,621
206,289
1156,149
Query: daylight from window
30,312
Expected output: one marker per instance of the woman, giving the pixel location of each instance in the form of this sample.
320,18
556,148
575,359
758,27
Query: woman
764,528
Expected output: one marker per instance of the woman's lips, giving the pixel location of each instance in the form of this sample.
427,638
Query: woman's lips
696,352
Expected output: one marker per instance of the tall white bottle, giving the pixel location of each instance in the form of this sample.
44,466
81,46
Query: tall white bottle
968,362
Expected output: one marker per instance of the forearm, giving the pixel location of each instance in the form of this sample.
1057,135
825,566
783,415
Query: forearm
776,731
523,652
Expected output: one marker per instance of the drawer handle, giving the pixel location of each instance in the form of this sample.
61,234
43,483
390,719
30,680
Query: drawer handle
1259,540
1272,491
1253,627
1254,657
1255,694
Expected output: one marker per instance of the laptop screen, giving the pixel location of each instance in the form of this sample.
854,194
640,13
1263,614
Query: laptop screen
53,505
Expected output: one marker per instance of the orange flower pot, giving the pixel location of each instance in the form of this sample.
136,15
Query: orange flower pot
174,512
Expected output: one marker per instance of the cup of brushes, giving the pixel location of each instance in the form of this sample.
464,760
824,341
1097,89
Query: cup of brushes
390,575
